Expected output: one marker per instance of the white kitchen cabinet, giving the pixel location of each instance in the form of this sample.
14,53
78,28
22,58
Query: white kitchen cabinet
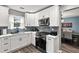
5,44
14,42
4,16
5,47
36,18
33,38
22,41
51,12
52,45
17,42
25,40
44,13
27,17
54,16
29,38
31,19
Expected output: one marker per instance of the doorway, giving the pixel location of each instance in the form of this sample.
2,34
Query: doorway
69,30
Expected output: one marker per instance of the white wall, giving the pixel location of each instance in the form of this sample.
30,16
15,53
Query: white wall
4,16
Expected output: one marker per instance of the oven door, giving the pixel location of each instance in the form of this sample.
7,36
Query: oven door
41,44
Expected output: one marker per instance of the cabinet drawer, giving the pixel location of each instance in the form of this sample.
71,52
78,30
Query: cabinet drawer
4,44
5,48
5,40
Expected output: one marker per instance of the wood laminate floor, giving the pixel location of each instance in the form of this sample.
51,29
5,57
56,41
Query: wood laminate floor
66,48
28,49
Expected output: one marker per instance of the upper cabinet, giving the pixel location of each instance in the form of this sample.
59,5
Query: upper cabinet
54,16
4,16
52,13
31,19
44,13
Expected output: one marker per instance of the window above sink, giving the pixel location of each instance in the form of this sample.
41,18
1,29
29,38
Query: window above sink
16,21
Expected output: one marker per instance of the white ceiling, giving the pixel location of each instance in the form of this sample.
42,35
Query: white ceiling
27,8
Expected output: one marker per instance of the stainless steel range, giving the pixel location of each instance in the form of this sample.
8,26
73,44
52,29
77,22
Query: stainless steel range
41,36
41,41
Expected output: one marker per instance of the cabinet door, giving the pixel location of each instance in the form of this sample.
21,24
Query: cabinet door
27,19
36,18
32,20
14,42
29,38
25,38
33,38
50,45
54,16
22,41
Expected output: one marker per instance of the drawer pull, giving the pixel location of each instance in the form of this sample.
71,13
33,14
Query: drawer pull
6,50
5,43
49,39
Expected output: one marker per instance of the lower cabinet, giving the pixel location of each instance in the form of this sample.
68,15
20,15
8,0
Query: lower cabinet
29,39
18,42
22,41
33,38
11,43
5,46
26,40
14,43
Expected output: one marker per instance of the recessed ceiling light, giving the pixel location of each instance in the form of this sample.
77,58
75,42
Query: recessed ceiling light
21,8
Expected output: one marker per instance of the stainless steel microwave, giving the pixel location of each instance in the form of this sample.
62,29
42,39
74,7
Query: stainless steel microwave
44,22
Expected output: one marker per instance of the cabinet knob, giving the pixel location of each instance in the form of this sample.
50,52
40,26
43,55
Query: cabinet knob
20,39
